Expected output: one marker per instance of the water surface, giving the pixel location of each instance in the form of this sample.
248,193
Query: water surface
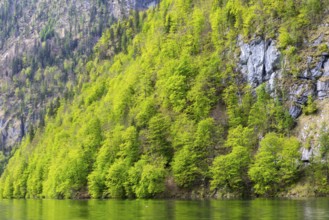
164,209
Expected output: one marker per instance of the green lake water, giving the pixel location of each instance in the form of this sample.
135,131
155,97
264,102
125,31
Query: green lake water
163,209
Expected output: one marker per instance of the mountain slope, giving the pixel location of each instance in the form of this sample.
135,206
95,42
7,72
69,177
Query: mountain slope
174,112
43,44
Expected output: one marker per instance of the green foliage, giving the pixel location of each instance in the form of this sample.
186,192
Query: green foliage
314,9
118,143
268,114
158,136
310,107
146,178
96,93
324,140
276,164
284,38
146,111
3,160
206,136
48,31
238,102
240,136
323,48
116,178
161,98
185,168
320,163
182,131
191,162
229,172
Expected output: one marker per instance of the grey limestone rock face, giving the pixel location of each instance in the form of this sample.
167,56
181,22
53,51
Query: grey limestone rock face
295,111
272,59
326,69
258,60
300,92
120,8
298,95
307,154
322,84
318,41
315,72
255,62
245,54
271,84
11,131
322,88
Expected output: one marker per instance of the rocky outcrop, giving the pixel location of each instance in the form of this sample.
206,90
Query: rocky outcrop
318,41
322,88
307,154
121,8
300,91
295,111
145,4
259,60
260,63
322,84
272,58
298,95
315,72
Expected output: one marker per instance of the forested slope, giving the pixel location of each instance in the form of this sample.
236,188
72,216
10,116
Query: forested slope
169,114
43,44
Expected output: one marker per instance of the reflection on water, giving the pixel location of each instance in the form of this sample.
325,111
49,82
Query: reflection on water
164,209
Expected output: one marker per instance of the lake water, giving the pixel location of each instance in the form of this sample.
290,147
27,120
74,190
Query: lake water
163,209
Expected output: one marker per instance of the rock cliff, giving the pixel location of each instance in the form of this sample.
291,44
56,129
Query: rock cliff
260,61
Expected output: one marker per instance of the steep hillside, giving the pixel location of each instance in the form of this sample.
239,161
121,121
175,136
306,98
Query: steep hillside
200,99
42,47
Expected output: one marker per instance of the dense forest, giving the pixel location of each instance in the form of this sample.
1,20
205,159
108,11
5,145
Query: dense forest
43,46
160,110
